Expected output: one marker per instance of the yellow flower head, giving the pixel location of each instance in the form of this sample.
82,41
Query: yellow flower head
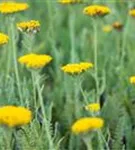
132,12
35,61
96,10
31,26
107,28
3,39
87,124
132,79
77,68
13,116
117,25
69,1
12,7
94,107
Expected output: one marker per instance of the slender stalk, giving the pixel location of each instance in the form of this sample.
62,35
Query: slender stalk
51,146
7,138
88,142
72,36
9,52
15,144
124,41
96,59
76,96
101,136
30,41
34,90
52,36
70,147
13,46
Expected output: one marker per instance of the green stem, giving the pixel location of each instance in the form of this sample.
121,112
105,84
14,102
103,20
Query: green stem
9,52
30,38
47,129
15,144
7,138
34,91
101,137
88,142
71,139
124,41
76,94
72,36
96,59
13,46
52,25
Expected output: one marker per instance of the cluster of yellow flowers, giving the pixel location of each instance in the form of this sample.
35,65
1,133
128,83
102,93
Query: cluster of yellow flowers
13,116
107,28
3,39
94,107
116,25
96,10
132,79
132,12
12,7
35,61
77,67
31,26
69,1
87,124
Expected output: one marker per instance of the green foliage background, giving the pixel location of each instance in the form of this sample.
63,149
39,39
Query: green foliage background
67,35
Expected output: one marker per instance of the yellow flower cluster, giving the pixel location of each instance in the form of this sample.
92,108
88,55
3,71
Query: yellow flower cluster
69,1
132,79
87,124
107,28
12,7
29,26
13,116
94,107
77,68
96,10
3,39
117,25
132,12
35,61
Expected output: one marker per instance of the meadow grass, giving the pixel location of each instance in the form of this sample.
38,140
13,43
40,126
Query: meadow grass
57,99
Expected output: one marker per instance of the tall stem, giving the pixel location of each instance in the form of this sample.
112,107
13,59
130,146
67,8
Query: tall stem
124,41
96,59
34,92
88,142
13,46
51,147
72,36
9,52
76,92
102,140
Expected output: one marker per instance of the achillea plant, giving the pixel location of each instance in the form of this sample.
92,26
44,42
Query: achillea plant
87,124
117,25
32,26
77,68
69,1
13,116
132,79
93,107
35,61
96,10
107,28
12,7
132,12
3,39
